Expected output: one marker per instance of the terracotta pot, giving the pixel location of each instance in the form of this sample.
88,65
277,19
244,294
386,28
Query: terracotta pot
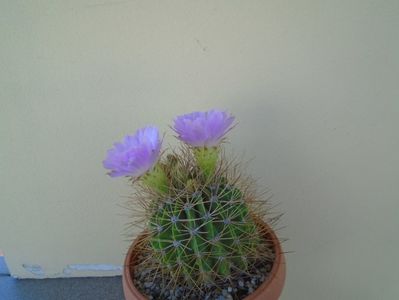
270,289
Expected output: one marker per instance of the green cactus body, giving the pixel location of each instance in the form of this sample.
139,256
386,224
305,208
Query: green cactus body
205,235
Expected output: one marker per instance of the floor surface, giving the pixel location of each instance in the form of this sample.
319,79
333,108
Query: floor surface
93,288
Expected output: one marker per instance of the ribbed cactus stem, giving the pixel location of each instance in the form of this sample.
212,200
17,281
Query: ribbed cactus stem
197,244
204,235
212,236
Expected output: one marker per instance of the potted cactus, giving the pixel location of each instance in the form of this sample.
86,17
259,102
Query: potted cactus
206,235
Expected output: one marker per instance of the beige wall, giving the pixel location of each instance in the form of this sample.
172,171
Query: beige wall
314,85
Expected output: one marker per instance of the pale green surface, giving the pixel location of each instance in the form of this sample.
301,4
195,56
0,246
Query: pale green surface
314,85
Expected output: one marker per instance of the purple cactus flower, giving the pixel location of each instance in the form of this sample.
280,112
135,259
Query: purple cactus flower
203,129
135,155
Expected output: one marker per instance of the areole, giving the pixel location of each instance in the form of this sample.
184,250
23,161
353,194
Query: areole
270,289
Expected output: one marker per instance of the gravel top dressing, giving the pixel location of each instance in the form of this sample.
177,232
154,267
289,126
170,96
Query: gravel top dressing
155,286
